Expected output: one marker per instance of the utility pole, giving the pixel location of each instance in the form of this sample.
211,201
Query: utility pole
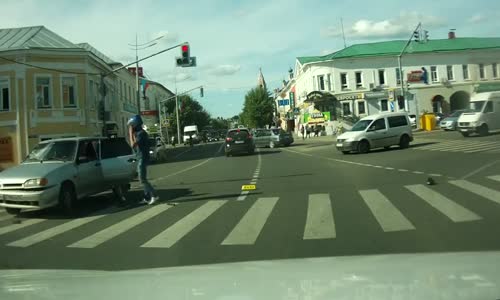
401,79
177,111
137,77
102,106
343,34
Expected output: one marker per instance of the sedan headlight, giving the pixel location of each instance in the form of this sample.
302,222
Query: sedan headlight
37,182
151,152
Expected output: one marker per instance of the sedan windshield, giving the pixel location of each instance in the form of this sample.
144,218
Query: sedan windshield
477,106
361,125
63,150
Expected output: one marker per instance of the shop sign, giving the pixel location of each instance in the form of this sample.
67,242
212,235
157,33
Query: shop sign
6,149
376,95
317,117
350,96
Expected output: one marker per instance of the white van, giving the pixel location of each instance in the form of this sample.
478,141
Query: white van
377,131
191,131
483,115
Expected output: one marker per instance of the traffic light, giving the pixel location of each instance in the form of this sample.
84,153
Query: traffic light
416,36
201,92
185,59
426,36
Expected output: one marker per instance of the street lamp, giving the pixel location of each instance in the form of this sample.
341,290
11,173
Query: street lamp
138,47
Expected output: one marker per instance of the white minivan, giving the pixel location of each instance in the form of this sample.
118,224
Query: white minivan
483,115
377,131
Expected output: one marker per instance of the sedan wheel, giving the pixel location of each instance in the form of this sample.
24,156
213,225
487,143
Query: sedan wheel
404,142
363,147
67,199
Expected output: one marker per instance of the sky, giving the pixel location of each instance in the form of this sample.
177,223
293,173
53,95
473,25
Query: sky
233,39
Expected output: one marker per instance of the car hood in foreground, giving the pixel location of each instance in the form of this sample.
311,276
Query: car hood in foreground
30,170
470,275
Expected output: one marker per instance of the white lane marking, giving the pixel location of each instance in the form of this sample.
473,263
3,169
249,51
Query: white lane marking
435,175
319,221
484,149
182,171
248,229
24,223
253,182
389,168
402,170
477,147
174,233
119,228
454,211
482,168
388,216
477,189
52,232
495,177
440,146
418,172
242,196
378,167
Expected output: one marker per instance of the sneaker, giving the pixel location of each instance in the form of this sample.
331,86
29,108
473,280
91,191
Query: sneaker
153,200
144,201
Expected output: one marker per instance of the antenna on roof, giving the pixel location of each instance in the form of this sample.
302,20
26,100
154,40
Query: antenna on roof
343,33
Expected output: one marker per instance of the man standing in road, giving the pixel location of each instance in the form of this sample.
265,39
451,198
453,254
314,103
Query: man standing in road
140,142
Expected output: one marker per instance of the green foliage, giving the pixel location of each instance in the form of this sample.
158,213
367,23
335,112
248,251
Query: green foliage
257,109
191,112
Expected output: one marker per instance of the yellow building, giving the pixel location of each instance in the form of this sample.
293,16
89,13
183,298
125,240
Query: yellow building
49,88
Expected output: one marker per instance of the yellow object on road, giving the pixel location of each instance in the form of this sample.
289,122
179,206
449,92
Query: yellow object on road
248,187
430,122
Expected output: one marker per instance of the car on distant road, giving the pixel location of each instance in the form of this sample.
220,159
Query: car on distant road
377,131
450,122
272,138
157,150
62,171
239,140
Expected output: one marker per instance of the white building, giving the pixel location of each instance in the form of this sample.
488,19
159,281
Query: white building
363,79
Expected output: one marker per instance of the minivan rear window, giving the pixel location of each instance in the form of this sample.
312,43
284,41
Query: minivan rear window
397,121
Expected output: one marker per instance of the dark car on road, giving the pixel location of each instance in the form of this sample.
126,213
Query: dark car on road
239,141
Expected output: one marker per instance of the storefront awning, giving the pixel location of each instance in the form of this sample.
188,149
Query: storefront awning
487,87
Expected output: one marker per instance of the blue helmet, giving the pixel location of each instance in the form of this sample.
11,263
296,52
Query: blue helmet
135,121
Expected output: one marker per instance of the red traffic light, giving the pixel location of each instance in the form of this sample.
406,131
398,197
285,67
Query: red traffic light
185,48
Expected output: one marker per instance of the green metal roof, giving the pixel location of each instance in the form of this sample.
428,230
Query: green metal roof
392,48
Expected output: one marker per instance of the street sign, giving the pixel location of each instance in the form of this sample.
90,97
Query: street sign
283,102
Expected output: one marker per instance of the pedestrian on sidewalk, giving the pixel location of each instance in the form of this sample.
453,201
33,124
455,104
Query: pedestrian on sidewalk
302,131
316,130
139,140
308,132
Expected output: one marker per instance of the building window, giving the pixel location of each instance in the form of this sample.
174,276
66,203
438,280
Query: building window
359,80
4,95
434,74
495,70
346,109
381,77
449,72
481,71
321,82
68,91
361,107
384,105
343,81
398,76
329,82
465,70
43,92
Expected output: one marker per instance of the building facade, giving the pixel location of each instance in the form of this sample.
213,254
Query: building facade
50,88
438,76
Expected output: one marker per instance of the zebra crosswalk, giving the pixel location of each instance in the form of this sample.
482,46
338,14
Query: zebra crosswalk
322,217
463,146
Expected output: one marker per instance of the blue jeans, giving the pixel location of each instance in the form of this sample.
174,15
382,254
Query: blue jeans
142,170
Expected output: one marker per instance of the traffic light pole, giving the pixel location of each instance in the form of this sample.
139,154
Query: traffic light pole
104,132
401,79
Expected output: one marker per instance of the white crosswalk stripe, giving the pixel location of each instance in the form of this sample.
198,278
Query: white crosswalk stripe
248,229
387,215
52,232
119,228
465,146
24,223
319,222
477,189
452,210
174,233
495,177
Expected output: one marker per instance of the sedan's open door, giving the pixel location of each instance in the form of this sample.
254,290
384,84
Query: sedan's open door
117,160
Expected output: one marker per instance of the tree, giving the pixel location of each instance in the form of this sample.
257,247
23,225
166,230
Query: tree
191,112
257,109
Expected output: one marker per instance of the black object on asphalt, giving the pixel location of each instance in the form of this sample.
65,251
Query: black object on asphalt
430,181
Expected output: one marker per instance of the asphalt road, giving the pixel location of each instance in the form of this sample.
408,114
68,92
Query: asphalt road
310,201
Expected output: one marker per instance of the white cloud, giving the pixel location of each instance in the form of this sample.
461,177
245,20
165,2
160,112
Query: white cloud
224,70
167,37
400,26
477,18
326,51
180,77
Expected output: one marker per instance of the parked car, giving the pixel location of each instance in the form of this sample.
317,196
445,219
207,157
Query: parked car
239,140
450,122
483,115
157,150
377,131
439,117
272,138
62,171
